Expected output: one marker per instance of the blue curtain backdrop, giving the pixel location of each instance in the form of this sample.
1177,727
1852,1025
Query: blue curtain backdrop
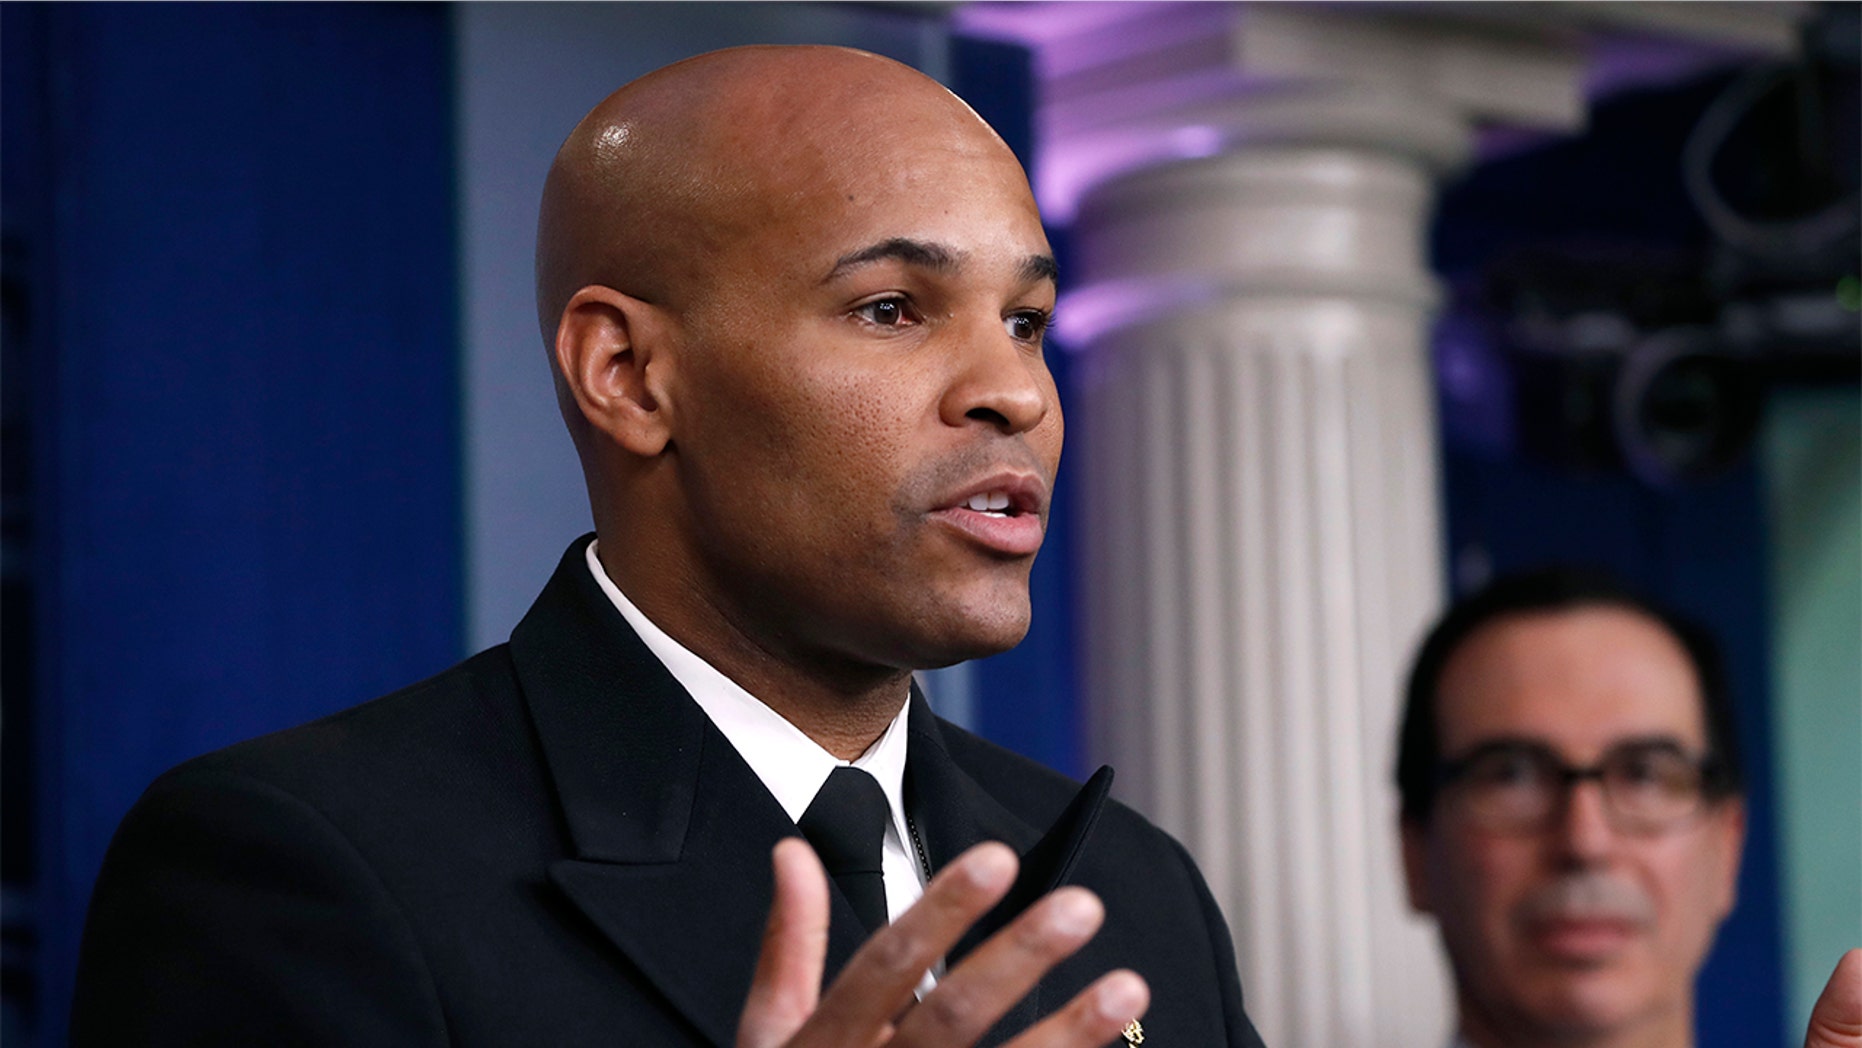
232,236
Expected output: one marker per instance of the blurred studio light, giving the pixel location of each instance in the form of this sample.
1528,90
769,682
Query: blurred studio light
1655,358
1619,371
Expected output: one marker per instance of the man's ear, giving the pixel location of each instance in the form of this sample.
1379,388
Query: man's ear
610,351
1415,865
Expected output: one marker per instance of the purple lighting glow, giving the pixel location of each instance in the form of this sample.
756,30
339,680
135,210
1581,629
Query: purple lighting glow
1123,85
1198,141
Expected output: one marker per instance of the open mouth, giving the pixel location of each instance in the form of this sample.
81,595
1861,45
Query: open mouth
993,503
1003,515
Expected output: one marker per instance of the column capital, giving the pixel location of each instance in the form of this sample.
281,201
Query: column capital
1266,223
1124,85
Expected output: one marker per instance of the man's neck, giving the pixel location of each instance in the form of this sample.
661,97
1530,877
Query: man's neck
844,709
842,705
844,722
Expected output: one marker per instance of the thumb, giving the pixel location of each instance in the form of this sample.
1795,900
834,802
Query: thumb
787,984
1836,1021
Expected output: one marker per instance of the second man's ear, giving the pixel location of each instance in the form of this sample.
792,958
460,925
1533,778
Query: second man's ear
1416,866
609,353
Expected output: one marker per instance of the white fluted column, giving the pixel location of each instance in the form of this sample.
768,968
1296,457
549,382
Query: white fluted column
1263,549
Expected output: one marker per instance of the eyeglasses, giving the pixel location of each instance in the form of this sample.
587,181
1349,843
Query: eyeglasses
1519,787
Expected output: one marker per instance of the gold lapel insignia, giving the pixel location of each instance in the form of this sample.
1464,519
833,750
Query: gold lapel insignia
1134,1032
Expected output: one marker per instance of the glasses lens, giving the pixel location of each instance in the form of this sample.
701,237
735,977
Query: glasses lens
1509,787
1651,785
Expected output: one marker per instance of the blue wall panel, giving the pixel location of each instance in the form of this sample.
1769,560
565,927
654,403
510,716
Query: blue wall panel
1700,550
249,512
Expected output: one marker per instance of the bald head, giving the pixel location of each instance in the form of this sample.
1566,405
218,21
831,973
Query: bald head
684,162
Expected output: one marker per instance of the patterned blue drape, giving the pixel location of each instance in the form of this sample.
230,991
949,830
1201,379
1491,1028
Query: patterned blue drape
235,266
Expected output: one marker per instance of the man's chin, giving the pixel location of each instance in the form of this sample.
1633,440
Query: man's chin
953,651
972,633
1589,1002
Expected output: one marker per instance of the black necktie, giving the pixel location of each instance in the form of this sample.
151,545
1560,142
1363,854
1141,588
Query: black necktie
846,823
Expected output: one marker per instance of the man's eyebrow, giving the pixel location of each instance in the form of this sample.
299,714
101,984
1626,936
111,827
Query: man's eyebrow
918,253
1656,741
1040,267
1500,743
932,256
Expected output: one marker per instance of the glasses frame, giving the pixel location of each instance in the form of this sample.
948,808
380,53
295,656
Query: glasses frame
1451,774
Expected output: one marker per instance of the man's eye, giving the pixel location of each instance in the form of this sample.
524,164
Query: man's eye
1640,768
1027,326
885,312
1502,770
1653,770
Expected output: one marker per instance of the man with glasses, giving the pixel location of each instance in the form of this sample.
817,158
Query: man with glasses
1572,811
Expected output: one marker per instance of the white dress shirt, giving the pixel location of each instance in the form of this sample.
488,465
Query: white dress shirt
792,766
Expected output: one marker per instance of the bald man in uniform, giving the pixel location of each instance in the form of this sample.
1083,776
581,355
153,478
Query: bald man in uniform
794,301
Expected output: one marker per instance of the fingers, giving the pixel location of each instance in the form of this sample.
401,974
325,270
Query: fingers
787,984
878,982
969,1000
1096,1016
1836,1020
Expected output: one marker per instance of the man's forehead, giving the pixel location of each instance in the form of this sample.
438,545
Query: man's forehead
845,212
770,165
1579,680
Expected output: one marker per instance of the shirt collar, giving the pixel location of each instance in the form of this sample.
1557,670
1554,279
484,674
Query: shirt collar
791,765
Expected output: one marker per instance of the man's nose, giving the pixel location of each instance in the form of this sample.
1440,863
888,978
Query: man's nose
998,381
1583,832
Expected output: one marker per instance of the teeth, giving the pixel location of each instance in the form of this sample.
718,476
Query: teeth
989,502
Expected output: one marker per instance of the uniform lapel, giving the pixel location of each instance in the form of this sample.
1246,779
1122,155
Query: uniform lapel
954,812
671,831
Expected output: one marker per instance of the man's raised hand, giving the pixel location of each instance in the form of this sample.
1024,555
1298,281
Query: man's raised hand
1836,1021
867,1005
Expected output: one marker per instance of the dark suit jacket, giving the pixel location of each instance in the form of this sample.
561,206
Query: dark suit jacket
550,844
